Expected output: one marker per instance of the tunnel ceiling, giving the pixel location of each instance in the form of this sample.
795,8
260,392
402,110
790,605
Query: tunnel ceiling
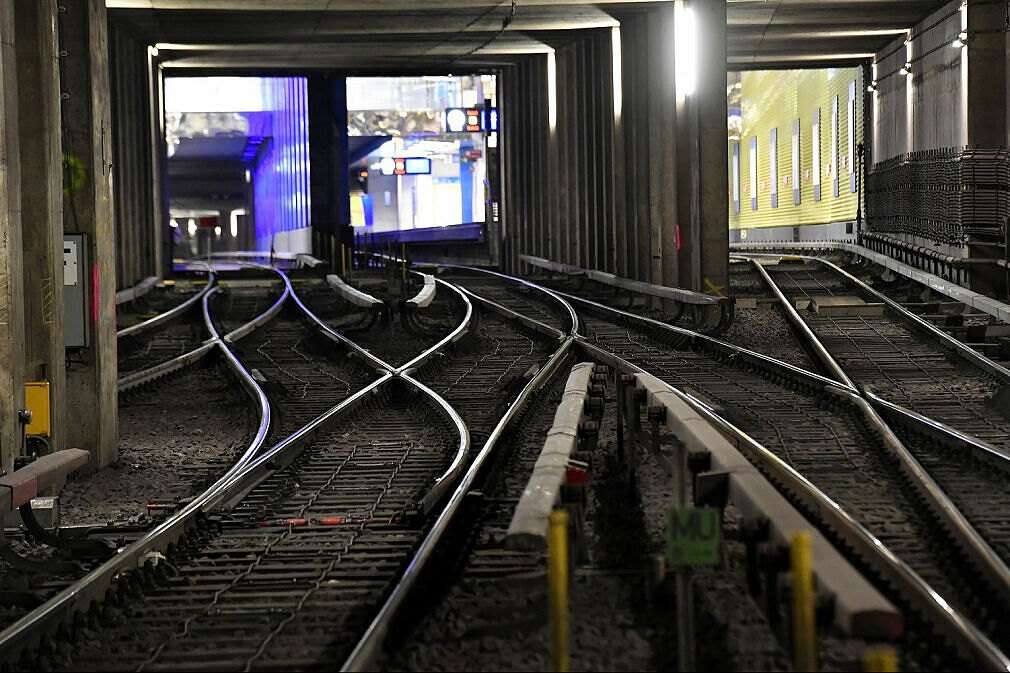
405,36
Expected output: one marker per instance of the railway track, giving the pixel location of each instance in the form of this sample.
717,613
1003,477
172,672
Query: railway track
390,340
305,540
484,374
525,300
297,565
826,434
758,322
241,302
302,372
900,358
174,476
165,341
373,502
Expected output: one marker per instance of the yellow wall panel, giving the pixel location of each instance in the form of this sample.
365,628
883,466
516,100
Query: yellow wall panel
775,100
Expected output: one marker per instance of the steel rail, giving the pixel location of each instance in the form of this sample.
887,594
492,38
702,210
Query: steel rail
284,452
557,296
971,541
453,336
963,634
443,483
509,314
331,333
138,378
726,348
264,317
172,313
940,431
799,324
966,352
29,630
369,646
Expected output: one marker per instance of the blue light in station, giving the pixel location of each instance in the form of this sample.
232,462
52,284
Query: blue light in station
282,175
252,146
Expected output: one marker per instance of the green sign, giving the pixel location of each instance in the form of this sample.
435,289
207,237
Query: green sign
692,536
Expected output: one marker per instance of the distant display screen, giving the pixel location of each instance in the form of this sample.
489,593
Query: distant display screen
412,166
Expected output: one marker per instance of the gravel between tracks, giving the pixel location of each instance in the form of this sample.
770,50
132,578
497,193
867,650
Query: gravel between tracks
175,437
615,623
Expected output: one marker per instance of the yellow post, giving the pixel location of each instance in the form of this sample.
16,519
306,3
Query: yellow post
880,659
804,624
343,261
557,577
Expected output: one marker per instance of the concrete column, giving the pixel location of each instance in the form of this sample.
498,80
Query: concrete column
987,75
42,203
323,163
702,162
91,383
12,393
663,188
344,232
647,148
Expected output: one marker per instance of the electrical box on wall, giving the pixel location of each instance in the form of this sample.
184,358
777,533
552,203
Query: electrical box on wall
75,290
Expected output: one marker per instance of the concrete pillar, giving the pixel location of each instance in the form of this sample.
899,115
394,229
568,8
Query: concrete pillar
663,188
344,233
323,164
91,380
702,161
646,148
987,68
12,394
42,203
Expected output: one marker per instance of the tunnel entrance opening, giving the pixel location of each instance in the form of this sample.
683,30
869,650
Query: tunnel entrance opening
238,164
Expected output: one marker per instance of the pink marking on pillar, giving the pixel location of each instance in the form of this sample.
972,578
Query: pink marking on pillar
94,293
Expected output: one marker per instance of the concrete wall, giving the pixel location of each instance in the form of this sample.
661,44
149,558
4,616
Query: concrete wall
926,110
138,184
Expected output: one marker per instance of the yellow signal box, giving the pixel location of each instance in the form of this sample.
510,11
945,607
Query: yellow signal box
37,401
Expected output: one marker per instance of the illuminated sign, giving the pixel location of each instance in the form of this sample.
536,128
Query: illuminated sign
490,119
463,120
411,166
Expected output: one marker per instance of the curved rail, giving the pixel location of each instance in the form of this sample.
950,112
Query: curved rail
264,317
444,482
966,352
800,325
92,587
971,642
938,430
551,293
973,544
453,336
172,313
369,646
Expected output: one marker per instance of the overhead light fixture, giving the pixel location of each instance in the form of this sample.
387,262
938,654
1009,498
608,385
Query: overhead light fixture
685,36
961,39
552,90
